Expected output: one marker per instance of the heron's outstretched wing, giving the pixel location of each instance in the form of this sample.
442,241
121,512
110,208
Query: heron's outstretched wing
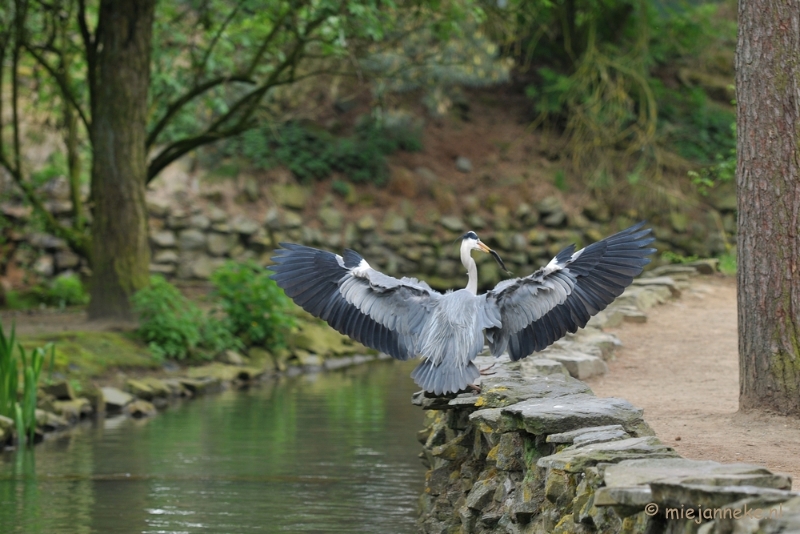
541,308
377,310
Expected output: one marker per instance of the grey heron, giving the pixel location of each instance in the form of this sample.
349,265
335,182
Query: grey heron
406,318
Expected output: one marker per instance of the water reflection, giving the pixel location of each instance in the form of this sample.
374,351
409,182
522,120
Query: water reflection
326,453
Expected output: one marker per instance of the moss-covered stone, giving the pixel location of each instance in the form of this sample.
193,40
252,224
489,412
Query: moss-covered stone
140,408
73,410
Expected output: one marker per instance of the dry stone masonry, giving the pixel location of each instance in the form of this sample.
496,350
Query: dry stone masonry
536,452
190,238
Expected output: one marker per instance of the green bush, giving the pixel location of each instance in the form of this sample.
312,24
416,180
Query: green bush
169,322
255,306
63,291
216,335
312,153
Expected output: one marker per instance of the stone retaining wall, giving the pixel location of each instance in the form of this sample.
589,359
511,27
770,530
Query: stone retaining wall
190,240
537,452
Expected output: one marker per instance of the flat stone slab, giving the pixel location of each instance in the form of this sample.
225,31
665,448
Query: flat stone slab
675,495
580,365
575,459
569,437
627,484
702,472
662,281
115,399
542,367
494,420
589,438
565,413
499,392
635,497
429,401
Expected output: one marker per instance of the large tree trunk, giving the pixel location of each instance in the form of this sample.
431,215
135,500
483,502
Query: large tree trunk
120,253
768,176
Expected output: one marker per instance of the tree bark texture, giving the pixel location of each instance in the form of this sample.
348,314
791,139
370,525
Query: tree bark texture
120,251
768,179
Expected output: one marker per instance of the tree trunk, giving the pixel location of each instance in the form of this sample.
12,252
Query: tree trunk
768,178
120,252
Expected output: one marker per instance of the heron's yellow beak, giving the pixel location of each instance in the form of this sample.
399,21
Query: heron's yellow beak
484,248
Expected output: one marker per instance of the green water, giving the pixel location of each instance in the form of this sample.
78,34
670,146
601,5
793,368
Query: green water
334,452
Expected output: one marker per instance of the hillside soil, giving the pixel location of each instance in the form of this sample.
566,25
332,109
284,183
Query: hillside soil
682,368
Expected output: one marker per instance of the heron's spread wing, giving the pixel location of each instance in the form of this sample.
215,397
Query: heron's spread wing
541,308
377,310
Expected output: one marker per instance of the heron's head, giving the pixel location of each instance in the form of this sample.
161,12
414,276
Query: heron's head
470,241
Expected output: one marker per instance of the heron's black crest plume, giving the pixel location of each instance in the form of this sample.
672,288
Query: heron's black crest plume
470,235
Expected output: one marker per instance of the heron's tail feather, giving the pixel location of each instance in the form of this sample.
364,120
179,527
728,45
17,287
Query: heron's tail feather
443,379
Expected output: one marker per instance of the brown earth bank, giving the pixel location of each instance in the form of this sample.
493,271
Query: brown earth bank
682,368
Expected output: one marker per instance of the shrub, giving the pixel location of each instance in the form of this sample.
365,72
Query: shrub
255,306
63,291
312,153
216,335
169,322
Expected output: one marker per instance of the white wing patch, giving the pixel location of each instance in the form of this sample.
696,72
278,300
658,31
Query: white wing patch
361,269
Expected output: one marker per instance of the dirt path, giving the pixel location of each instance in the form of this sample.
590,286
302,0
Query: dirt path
682,368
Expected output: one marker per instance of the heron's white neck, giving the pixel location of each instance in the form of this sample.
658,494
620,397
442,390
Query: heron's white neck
472,269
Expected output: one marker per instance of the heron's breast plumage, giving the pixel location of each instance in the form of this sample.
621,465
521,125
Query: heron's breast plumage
454,332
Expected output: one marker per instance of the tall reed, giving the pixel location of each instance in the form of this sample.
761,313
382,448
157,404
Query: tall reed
23,413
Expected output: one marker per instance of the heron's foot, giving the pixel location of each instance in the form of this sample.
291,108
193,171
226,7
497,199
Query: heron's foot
473,387
485,370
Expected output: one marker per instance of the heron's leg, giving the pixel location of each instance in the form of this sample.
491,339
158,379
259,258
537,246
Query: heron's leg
485,370
473,387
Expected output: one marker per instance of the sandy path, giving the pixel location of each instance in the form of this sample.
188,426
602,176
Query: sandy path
682,368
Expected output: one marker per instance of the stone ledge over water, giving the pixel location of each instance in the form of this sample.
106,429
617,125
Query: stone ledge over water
536,452
542,454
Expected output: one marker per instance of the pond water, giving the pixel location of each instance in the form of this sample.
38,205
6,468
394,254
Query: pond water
333,452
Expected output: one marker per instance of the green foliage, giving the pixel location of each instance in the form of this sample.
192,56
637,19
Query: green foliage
29,365
724,170
342,188
216,335
603,76
313,154
255,306
169,322
62,291
16,300
727,263
674,257
254,312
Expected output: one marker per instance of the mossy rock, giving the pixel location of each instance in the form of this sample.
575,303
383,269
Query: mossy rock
216,370
323,340
85,355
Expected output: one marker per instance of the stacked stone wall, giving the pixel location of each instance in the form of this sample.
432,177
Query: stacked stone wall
536,452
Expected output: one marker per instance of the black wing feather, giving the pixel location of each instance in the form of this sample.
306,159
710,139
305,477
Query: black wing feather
311,278
600,274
